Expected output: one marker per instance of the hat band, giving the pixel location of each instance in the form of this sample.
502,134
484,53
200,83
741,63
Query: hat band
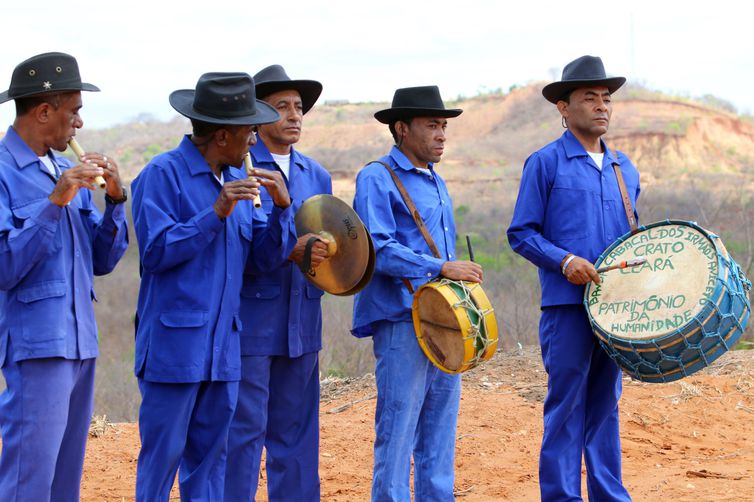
245,112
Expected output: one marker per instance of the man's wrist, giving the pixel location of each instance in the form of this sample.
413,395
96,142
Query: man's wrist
567,261
123,198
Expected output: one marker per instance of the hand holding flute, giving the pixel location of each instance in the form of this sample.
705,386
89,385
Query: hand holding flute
99,180
272,181
249,173
91,170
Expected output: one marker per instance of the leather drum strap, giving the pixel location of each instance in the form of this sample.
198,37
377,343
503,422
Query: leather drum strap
415,214
626,199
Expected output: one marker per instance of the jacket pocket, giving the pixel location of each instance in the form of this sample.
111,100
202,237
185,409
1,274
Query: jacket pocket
25,210
181,345
41,291
184,318
570,213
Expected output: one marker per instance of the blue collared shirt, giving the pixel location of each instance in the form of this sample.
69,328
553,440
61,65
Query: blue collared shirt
401,251
48,256
566,204
187,321
288,304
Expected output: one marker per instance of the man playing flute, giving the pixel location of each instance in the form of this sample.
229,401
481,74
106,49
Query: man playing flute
52,241
196,226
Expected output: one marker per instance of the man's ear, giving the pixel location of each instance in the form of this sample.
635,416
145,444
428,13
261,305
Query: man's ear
400,128
42,112
221,137
563,108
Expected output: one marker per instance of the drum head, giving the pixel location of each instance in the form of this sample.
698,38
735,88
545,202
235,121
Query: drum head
662,295
440,330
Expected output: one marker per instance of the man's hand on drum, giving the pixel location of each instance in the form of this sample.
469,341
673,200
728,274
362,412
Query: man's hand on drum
579,271
319,250
462,271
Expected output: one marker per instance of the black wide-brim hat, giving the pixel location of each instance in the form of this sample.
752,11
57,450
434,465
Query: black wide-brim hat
424,101
274,79
224,99
48,73
585,71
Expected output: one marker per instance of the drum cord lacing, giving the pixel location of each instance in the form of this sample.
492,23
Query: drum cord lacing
711,340
482,343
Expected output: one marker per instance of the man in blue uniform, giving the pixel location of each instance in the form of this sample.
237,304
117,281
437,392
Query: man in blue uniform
569,210
52,240
196,227
417,404
278,398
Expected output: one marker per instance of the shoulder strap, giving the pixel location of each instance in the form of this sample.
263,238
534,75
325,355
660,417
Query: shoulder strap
412,209
624,195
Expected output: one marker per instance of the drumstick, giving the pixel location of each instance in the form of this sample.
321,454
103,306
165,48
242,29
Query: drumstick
99,180
633,262
249,169
471,251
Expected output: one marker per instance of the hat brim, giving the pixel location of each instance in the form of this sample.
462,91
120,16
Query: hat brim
555,91
390,114
308,89
183,102
5,96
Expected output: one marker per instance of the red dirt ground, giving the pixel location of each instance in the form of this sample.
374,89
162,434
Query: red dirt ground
689,440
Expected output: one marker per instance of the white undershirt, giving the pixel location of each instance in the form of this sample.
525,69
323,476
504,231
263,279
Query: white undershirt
220,179
424,170
597,158
284,163
47,161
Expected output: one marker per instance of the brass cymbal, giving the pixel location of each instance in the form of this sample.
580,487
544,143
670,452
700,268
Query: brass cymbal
351,264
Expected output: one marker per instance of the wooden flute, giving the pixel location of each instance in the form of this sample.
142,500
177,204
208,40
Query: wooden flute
99,180
249,169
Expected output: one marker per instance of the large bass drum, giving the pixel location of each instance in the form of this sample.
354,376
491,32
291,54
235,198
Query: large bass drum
676,313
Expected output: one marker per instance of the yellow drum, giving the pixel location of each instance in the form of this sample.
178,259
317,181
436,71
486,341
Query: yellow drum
455,324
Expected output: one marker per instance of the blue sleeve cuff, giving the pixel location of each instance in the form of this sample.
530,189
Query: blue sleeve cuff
49,216
208,223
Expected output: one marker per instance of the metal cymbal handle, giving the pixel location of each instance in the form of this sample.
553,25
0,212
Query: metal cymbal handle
249,169
99,180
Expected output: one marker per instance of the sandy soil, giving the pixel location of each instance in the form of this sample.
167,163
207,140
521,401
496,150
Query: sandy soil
689,440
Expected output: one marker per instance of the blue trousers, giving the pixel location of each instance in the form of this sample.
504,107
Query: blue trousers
580,411
278,408
183,425
45,414
417,410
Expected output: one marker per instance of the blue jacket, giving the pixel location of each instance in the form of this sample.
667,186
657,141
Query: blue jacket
48,256
283,298
400,249
187,319
567,205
